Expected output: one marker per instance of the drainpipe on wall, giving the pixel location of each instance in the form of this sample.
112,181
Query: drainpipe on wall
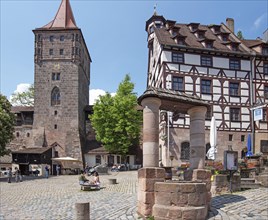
252,98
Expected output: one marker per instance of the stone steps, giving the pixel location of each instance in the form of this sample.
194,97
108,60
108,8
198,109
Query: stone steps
249,183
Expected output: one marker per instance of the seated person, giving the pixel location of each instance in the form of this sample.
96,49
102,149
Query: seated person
96,179
83,179
114,168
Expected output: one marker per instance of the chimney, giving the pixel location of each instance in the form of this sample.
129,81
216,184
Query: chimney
230,24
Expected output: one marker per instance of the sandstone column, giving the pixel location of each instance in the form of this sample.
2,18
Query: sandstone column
151,172
197,137
151,131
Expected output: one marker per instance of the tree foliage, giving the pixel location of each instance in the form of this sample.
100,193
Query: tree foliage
23,98
7,122
116,120
240,35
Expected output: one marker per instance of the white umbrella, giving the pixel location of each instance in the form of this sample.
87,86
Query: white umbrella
66,159
211,154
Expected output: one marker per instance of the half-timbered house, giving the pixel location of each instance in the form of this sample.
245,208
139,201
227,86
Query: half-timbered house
211,62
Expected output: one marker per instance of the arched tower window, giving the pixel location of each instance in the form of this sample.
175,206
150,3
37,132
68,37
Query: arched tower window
55,96
185,150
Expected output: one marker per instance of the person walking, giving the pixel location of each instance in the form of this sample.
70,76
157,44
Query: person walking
46,171
16,175
9,175
19,174
58,169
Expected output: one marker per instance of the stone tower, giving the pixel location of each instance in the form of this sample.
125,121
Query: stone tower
61,82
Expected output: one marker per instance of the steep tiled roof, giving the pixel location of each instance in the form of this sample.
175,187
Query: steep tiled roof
165,37
64,17
252,43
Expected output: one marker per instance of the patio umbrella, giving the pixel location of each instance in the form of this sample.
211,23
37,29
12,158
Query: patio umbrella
249,153
66,159
211,154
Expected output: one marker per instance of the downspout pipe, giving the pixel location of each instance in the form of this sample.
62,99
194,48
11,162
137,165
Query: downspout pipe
252,98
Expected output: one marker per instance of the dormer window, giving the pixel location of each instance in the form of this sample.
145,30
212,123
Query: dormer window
201,35
224,37
180,41
193,26
234,47
151,29
209,44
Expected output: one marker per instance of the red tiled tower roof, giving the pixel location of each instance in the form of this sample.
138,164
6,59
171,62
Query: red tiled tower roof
64,17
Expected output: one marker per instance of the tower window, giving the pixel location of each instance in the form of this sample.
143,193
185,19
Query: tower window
55,76
55,112
62,38
28,134
61,51
51,38
55,96
17,134
50,51
242,138
55,126
230,137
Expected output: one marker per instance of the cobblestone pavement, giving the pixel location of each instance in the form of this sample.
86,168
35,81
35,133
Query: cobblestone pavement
54,199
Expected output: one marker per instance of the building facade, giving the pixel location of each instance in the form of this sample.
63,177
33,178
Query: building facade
210,62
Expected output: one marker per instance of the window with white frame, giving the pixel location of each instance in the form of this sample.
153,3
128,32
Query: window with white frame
233,89
234,114
234,64
177,84
205,86
178,57
206,60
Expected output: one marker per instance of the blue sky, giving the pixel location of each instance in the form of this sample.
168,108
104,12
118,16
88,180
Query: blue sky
114,32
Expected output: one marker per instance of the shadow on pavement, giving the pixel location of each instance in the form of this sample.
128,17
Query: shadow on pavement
219,201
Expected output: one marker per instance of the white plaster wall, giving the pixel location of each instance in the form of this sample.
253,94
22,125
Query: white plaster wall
166,56
188,79
245,65
206,97
244,111
235,125
216,90
221,62
173,66
216,97
217,108
216,82
185,68
192,59
234,100
241,74
202,70
229,73
213,72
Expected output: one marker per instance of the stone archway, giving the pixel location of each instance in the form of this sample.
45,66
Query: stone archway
153,100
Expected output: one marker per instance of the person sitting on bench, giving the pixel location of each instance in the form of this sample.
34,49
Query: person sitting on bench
83,179
96,179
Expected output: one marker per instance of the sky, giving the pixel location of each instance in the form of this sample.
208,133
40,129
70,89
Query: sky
114,32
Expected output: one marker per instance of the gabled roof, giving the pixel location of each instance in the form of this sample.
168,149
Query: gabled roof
64,17
35,150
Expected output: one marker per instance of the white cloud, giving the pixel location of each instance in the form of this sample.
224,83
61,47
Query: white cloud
94,95
22,87
259,20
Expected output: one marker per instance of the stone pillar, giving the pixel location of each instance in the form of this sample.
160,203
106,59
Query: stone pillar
82,211
147,177
197,137
151,131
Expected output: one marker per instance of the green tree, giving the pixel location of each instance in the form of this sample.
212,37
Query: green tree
116,120
240,35
7,122
24,98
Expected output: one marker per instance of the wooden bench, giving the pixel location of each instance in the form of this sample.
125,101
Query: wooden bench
88,187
